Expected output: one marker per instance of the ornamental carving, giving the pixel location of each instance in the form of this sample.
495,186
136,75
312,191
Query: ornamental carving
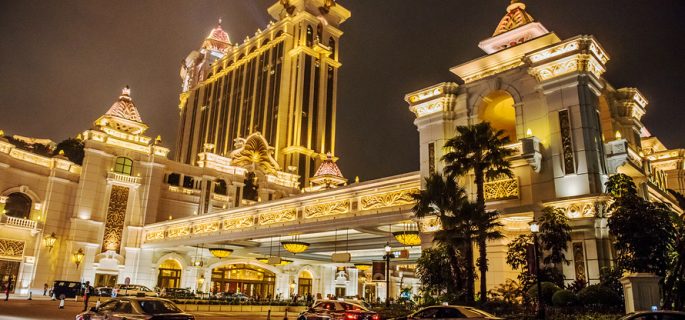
429,224
566,142
116,216
579,261
553,52
238,223
178,231
254,153
11,249
503,189
389,199
206,227
327,209
277,216
154,235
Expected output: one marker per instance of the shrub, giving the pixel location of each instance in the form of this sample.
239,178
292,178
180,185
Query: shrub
598,295
548,290
564,298
577,285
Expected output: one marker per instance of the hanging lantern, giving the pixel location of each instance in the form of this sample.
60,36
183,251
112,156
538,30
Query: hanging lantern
363,266
220,252
408,237
294,246
50,241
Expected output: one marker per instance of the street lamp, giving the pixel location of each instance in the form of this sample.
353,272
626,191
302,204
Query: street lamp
387,257
534,229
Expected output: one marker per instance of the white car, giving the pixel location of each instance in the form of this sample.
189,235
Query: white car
133,290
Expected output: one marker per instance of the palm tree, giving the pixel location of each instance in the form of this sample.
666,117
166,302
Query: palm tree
445,199
487,227
479,149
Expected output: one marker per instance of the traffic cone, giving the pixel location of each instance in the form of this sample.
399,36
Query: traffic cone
30,295
61,303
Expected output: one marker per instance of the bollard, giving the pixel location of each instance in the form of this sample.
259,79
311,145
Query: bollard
61,303
285,317
53,296
268,314
97,303
30,295
76,298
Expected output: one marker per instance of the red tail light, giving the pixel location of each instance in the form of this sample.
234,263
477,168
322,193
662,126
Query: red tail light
375,317
351,316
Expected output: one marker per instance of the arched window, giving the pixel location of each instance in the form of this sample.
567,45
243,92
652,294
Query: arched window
169,274
319,32
310,36
18,205
498,109
221,187
304,283
124,166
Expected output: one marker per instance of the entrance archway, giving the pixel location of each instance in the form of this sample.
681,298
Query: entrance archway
304,283
250,280
169,275
498,109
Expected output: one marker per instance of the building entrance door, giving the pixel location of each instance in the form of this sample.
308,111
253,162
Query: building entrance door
246,279
9,270
105,280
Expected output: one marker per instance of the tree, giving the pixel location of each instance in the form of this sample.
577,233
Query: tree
555,233
446,200
644,232
479,149
73,150
487,227
674,282
435,270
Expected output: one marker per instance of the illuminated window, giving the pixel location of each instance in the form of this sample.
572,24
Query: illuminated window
498,109
124,166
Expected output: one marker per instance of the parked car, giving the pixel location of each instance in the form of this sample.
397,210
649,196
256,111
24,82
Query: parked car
656,315
178,293
134,290
103,291
337,310
136,308
69,289
449,313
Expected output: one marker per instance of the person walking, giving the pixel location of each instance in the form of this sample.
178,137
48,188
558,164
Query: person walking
9,287
87,292
45,289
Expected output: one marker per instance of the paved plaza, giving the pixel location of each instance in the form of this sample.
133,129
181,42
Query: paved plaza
44,309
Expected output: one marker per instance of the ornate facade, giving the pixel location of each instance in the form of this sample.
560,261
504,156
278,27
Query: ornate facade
255,168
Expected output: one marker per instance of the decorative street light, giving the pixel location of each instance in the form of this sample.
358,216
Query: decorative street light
534,229
78,257
387,257
50,241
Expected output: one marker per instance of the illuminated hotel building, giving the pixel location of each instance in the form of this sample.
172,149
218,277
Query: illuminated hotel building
254,203
281,82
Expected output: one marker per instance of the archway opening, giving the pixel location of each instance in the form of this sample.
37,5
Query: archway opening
169,274
18,205
498,109
304,283
251,281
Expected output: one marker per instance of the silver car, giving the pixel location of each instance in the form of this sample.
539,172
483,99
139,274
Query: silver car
135,308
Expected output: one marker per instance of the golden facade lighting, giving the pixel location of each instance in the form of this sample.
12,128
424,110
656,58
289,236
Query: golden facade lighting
50,241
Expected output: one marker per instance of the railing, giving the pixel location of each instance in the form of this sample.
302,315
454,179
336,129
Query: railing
19,222
123,178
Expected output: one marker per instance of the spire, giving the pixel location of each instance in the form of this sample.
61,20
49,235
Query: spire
328,175
124,108
516,16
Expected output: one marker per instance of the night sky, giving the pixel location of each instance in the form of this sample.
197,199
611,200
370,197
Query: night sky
63,63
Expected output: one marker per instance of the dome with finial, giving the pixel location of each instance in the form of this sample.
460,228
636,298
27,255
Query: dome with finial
328,175
516,16
217,39
124,107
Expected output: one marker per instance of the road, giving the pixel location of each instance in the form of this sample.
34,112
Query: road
41,309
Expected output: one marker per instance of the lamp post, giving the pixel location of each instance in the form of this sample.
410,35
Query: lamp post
387,257
534,229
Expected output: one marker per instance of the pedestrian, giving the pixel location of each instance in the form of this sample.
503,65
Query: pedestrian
45,289
87,291
9,287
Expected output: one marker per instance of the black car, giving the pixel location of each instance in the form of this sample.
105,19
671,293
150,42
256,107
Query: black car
67,289
337,310
136,308
178,293
656,315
